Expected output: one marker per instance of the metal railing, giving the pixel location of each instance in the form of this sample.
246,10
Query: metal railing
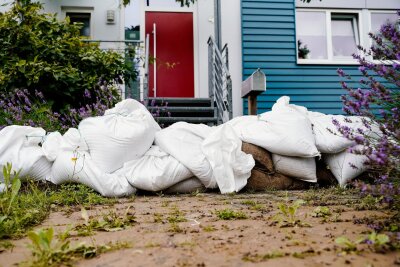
145,95
219,81
133,52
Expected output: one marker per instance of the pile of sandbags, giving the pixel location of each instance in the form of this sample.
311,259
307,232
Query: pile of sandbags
124,150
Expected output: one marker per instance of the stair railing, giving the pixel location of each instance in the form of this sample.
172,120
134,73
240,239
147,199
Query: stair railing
145,95
219,81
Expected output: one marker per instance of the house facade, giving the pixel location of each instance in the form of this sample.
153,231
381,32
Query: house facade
102,20
300,46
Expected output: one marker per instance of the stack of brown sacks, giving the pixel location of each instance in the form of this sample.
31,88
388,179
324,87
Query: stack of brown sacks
263,176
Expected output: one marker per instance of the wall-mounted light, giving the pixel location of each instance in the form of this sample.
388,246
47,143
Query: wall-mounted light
110,16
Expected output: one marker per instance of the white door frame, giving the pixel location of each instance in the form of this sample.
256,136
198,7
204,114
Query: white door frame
192,9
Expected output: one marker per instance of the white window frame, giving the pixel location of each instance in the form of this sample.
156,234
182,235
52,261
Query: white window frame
328,15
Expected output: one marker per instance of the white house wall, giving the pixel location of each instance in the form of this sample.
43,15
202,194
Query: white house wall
99,28
232,35
205,17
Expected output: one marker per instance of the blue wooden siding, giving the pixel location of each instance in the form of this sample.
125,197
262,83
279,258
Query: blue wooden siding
269,43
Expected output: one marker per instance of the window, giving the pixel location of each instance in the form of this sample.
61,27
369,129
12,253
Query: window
80,18
325,36
163,3
311,36
380,18
345,35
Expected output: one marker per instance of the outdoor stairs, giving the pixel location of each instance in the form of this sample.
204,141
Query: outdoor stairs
192,110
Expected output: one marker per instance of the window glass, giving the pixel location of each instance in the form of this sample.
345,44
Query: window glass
378,19
311,35
163,3
344,35
83,19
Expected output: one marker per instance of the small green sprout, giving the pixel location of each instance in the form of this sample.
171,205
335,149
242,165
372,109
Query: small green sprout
228,214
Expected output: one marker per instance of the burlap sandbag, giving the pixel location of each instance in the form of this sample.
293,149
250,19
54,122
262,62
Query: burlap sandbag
262,179
261,156
324,175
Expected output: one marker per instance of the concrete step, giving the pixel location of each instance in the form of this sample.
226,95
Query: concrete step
179,102
165,121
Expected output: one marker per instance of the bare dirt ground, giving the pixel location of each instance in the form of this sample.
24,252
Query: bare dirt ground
200,238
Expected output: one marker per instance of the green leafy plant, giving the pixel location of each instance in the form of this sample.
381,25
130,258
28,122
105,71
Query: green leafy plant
287,215
260,258
379,242
110,222
12,185
322,212
78,194
347,245
228,214
41,52
48,252
253,204
20,210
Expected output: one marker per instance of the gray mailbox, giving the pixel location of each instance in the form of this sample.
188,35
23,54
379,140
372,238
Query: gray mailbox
252,87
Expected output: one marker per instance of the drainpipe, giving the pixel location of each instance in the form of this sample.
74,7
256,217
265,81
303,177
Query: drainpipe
217,23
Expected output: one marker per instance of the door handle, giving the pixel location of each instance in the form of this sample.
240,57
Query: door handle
155,59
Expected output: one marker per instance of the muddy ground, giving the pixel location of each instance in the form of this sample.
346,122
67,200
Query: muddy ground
201,238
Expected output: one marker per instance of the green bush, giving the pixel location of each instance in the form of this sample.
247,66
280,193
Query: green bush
39,52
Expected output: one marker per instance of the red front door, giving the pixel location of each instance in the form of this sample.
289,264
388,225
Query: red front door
171,34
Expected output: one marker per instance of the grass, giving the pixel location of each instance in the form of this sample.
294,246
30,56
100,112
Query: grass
228,214
49,252
259,258
25,205
110,222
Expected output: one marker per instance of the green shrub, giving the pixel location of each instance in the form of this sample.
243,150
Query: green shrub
39,52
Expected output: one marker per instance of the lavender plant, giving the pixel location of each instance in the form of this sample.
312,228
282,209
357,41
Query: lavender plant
20,107
377,101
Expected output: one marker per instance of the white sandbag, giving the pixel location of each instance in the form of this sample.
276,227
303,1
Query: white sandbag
284,131
304,169
231,166
283,104
19,146
346,166
124,133
78,167
188,186
183,141
55,143
327,138
155,171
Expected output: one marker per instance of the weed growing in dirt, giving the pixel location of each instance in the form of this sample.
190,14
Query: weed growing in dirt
228,214
378,242
287,215
369,202
110,222
322,212
158,218
21,207
6,245
47,252
259,258
208,228
303,254
347,245
252,204
174,228
176,216
78,194
152,245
